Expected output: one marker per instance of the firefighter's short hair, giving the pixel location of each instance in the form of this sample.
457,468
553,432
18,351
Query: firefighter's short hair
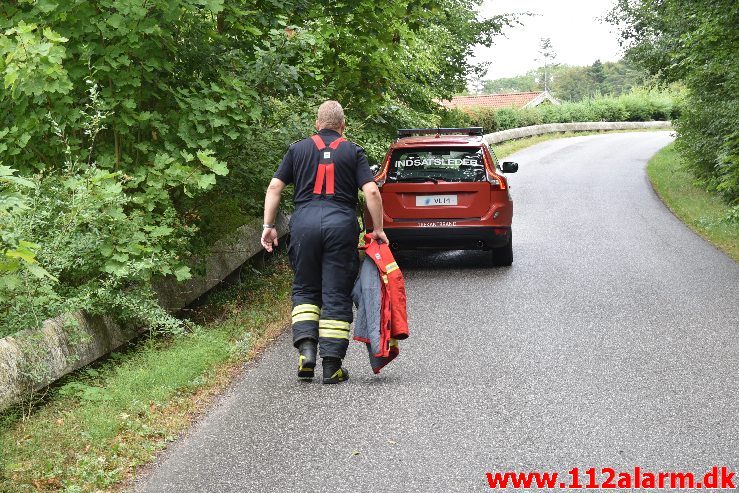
330,115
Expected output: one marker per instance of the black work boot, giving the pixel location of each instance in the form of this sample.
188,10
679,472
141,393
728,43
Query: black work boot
306,359
333,372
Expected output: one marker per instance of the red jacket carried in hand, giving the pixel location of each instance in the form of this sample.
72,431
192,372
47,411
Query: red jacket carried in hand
381,301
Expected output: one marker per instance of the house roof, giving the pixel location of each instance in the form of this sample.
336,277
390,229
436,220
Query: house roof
504,100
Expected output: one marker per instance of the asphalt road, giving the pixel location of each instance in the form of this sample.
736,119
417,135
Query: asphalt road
612,341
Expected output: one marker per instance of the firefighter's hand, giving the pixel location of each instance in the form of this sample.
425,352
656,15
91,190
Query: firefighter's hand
379,235
269,239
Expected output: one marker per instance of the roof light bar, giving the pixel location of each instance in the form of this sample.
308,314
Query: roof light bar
408,132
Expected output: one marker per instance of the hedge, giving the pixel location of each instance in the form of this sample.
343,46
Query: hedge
637,106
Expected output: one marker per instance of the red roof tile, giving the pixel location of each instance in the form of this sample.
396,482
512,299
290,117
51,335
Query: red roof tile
506,100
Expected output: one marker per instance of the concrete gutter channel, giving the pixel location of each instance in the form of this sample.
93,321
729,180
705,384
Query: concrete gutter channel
59,350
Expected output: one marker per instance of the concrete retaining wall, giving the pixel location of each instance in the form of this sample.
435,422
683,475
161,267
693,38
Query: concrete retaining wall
548,128
33,358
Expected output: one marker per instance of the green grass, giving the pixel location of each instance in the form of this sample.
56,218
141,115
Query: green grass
102,422
703,212
507,148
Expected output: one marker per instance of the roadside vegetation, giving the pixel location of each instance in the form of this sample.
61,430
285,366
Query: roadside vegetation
637,106
705,213
100,423
694,43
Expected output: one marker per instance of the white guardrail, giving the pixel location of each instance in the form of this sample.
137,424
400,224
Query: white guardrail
548,128
33,358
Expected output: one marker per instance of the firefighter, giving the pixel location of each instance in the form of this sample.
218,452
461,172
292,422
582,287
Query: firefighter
327,171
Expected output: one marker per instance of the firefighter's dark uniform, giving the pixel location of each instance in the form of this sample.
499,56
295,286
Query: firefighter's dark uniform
327,171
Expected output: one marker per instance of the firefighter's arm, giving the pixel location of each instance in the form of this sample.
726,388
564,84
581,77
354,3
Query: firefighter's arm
271,204
374,206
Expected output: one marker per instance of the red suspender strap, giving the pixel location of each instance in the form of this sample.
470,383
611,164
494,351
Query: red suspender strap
329,179
320,176
325,171
318,141
330,167
336,143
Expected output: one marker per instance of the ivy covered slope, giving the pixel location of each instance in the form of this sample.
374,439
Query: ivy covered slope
134,133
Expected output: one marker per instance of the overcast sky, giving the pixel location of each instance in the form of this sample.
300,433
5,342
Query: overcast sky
577,36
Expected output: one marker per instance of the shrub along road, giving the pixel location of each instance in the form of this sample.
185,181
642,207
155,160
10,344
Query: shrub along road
610,342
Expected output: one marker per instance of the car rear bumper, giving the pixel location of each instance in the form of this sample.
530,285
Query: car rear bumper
451,238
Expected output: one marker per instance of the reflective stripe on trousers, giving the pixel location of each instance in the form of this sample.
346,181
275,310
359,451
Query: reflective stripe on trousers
323,254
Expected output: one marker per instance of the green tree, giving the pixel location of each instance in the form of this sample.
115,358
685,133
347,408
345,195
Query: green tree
547,55
597,75
694,42
621,77
572,84
520,83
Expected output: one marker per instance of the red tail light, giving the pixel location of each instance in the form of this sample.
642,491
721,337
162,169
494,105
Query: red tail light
382,176
493,178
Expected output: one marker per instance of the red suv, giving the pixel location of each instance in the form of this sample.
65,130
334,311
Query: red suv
443,188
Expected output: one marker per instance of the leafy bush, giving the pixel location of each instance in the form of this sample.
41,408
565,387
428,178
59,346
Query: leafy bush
610,109
376,133
486,119
99,249
693,43
19,254
454,118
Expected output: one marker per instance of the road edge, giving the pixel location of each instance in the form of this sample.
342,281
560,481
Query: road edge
188,405
707,231
207,399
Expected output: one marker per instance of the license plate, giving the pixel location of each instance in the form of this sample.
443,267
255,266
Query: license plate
435,200
438,224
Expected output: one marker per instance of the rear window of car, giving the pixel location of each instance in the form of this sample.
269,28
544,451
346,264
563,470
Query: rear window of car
441,164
